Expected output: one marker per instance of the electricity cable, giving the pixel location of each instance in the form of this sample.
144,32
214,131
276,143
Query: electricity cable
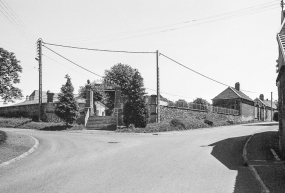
200,73
241,11
93,49
72,62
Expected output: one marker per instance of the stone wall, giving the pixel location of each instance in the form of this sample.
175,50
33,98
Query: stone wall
174,112
31,111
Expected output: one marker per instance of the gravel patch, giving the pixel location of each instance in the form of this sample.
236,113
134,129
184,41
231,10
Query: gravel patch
14,146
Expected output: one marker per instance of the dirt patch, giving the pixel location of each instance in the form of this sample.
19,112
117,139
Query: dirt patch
14,146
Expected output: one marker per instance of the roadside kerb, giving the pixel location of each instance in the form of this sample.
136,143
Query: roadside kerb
251,168
23,155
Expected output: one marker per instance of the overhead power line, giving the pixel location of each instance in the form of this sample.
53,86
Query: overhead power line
95,73
63,64
14,15
72,62
200,73
100,50
170,94
13,20
194,22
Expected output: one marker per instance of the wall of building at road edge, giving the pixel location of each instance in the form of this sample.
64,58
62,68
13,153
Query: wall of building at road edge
247,112
168,113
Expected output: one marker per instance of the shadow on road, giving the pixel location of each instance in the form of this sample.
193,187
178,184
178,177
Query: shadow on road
262,124
229,152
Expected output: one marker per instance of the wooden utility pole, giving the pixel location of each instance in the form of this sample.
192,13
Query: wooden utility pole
39,49
271,107
157,89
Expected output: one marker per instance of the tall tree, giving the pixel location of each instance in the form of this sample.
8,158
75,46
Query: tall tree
98,91
9,75
67,108
131,83
135,110
121,75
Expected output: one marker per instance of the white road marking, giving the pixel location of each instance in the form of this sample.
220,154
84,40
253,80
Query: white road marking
275,155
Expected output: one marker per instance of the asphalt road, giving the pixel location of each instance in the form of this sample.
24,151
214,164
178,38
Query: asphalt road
206,160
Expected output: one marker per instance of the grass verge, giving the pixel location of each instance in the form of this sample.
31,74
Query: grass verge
188,123
26,123
14,146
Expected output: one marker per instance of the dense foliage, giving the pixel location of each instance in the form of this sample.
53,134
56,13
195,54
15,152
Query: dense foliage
201,101
131,83
9,75
67,108
98,91
135,110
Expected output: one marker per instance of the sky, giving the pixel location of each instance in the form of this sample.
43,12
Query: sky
226,40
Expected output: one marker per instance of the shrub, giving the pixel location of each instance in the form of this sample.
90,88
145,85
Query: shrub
131,126
177,123
230,122
208,122
3,137
275,116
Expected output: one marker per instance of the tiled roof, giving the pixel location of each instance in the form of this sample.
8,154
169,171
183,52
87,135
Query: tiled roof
232,93
241,94
268,103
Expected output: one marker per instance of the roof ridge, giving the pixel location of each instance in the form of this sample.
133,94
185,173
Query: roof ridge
235,92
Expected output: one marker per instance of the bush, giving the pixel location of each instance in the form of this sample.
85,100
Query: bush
276,116
131,126
3,137
230,122
177,123
208,122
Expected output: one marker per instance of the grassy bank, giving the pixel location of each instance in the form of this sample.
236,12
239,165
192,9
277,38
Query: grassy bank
179,124
26,123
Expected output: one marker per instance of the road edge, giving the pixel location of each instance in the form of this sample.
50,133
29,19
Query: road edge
23,155
251,168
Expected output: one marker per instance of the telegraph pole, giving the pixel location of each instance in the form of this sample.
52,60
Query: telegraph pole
158,88
39,50
271,107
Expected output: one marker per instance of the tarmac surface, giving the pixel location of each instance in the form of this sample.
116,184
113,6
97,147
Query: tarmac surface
203,160
263,155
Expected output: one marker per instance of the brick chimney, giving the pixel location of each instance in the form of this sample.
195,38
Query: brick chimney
50,97
261,97
237,86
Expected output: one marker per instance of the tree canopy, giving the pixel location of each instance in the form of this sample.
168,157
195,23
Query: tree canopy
132,86
135,110
98,91
67,108
121,75
201,101
9,75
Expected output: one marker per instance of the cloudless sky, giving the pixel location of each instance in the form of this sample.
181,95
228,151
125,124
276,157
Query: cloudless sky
227,40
